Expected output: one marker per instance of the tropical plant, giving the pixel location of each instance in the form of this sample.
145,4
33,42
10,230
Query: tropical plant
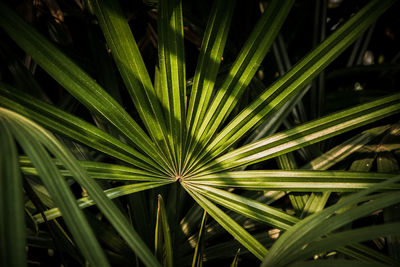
190,162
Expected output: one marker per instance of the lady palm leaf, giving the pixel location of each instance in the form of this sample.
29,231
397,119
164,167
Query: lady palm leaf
191,141
295,181
112,193
230,225
75,80
307,134
322,223
72,127
212,48
12,225
133,71
172,74
242,71
300,75
33,141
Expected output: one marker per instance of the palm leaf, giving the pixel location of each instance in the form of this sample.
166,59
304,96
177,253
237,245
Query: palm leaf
111,193
293,81
242,71
68,125
75,80
172,73
322,223
212,48
99,170
229,225
56,185
198,252
63,196
307,134
12,225
133,71
296,181
162,243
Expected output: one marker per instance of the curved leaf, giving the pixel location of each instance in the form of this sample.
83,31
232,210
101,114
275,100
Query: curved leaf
12,222
72,127
30,141
319,224
162,243
75,80
63,196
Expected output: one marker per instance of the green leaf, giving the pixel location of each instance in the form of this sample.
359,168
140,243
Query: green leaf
29,139
288,162
297,180
293,81
243,70
306,134
72,127
12,222
270,126
111,193
133,70
340,152
75,80
235,261
348,237
212,49
276,218
63,196
162,240
198,251
247,207
290,244
99,170
228,224
171,56
316,202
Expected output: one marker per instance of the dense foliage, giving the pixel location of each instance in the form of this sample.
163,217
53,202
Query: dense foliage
179,133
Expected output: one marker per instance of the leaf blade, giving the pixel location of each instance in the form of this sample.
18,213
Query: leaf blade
244,68
297,180
74,79
308,133
58,188
133,70
298,77
12,228
230,225
68,125
212,48
172,73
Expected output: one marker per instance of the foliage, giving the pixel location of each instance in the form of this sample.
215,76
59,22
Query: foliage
172,179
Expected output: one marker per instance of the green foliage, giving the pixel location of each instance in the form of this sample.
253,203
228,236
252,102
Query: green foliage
173,178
